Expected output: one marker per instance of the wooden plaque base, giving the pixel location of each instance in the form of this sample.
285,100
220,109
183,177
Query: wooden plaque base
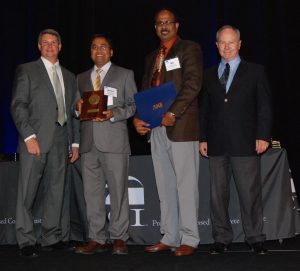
94,103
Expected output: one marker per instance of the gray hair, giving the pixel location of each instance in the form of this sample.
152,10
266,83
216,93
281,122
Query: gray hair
236,30
51,32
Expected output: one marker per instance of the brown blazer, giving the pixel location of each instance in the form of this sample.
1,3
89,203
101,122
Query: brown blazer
188,81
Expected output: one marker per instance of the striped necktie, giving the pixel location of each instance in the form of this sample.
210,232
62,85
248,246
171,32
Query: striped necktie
97,82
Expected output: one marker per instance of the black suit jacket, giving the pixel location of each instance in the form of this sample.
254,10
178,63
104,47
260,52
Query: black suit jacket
230,123
188,81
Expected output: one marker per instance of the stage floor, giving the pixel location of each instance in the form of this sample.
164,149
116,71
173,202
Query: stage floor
284,256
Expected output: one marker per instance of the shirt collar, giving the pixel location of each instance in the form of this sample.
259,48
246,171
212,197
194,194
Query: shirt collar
49,64
104,68
233,62
169,43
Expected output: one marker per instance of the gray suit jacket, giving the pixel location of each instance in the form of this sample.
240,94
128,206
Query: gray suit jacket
110,136
34,106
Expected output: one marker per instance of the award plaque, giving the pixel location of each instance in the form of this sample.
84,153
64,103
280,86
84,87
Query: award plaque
94,103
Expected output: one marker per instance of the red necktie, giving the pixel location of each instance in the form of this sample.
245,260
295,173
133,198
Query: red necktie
158,65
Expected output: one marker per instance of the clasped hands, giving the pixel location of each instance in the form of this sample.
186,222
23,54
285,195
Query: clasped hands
108,114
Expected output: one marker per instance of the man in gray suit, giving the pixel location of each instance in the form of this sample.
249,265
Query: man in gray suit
105,149
44,94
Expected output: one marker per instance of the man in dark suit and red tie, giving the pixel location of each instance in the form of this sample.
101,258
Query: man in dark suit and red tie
235,128
44,94
175,144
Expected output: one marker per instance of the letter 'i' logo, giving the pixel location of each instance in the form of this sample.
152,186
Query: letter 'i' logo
136,197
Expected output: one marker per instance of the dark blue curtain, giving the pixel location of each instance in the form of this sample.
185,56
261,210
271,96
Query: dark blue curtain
269,33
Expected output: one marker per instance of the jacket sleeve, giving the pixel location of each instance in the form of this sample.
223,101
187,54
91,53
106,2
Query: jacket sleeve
20,103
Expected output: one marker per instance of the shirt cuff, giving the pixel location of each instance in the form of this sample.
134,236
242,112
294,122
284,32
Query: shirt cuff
29,137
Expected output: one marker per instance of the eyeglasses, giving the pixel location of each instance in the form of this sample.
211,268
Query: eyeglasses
100,47
49,43
166,23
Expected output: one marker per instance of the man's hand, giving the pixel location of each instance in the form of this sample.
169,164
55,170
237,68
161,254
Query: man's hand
203,148
79,105
141,126
168,119
108,115
33,146
74,154
261,146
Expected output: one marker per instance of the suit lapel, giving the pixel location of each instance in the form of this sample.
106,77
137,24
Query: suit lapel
172,54
86,80
108,76
67,91
236,81
45,77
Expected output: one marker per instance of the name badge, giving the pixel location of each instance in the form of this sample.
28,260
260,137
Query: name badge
172,64
110,92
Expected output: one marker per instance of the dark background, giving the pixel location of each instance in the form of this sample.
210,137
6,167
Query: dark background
269,33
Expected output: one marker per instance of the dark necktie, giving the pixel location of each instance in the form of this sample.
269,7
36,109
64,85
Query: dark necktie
224,77
158,65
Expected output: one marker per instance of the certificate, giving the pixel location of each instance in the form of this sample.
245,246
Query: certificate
153,103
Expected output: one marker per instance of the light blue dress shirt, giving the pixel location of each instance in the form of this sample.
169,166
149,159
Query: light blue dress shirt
234,63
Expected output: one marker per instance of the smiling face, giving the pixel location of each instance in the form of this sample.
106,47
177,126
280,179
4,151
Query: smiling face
49,46
165,25
228,43
101,51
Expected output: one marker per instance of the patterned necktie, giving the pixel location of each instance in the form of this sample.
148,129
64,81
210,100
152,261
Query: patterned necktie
97,82
59,97
158,65
224,77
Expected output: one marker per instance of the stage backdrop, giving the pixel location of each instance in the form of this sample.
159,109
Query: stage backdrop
281,212
268,32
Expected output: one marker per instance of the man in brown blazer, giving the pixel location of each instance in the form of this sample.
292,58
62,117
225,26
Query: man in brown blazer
174,145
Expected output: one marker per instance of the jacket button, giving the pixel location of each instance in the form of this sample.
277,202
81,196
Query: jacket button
225,100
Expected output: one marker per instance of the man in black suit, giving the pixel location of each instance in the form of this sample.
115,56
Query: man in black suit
235,127
44,94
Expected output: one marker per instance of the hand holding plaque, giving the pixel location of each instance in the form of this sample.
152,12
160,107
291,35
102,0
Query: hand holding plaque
94,103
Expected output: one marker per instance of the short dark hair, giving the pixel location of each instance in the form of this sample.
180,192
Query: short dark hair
176,19
51,32
104,36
